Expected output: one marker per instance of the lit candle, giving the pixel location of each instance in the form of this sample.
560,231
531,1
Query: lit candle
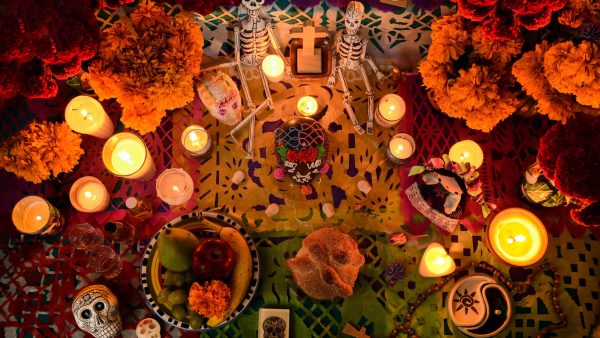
401,147
467,151
307,106
126,155
274,68
517,237
196,140
88,194
34,215
174,186
436,262
390,110
85,115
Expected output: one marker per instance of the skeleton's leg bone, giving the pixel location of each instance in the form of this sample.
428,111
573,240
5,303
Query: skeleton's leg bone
241,70
347,100
265,84
250,147
369,93
248,118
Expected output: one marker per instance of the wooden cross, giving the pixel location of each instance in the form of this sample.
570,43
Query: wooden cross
308,34
351,331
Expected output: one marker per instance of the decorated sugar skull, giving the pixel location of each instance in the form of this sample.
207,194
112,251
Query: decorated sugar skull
301,146
96,311
274,327
221,97
147,328
354,14
252,5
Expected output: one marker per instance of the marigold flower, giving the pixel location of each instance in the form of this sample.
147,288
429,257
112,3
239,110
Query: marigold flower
210,299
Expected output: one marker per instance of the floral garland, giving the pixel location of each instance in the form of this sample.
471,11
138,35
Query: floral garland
40,151
43,41
148,64
469,75
504,20
466,172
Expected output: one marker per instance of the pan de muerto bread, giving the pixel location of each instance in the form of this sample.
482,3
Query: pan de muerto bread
327,265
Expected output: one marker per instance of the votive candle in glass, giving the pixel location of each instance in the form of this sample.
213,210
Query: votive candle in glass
196,140
88,194
390,110
126,155
34,215
400,148
466,151
174,186
273,67
85,115
307,106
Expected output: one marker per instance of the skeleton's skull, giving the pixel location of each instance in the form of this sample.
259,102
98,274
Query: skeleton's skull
301,146
252,5
96,311
274,327
354,14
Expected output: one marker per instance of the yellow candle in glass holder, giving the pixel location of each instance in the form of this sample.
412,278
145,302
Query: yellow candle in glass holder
307,106
467,151
390,110
88,194
436,262
86,115
195,140
126,155
274,68
401,147
517,237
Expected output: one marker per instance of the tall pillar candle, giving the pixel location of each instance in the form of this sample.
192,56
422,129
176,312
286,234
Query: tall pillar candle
126,155
85,115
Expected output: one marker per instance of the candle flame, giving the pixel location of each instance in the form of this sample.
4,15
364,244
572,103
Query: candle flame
194,139
439,260
89,195
125,156
464,155
175,188
86,115
38,218
400,147
517,238
392,107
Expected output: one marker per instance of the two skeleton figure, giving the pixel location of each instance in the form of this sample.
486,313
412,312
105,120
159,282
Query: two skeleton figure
253,38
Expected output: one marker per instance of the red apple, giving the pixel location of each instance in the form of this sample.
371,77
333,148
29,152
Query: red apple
213,259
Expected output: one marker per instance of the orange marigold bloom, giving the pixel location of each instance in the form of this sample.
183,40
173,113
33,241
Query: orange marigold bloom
448,39
571,18
209,300
499,52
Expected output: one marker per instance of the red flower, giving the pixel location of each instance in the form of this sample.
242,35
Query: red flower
589,215
302,156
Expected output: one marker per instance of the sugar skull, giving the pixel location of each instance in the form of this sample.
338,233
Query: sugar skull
301,145
354,14
274,327
221,97
147,328
96,311
252,5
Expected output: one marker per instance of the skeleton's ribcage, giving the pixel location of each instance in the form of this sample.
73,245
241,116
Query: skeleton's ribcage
349,55
255,45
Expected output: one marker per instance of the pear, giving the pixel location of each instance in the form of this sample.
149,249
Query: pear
175,249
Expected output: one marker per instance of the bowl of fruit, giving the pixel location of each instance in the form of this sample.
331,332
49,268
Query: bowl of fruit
200,271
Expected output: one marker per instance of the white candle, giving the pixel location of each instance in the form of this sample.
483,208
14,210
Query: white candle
307,106
85,115
390,110
88,194
174,186
126,155
467,151
195,140
34,215
274,68
436,262
401,147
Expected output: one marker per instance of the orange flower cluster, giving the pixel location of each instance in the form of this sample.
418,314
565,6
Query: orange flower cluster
576,12
41,150
481,92
210,300
148,64
563,78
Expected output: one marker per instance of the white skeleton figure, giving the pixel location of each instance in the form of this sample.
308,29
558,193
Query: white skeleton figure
252,40
351,53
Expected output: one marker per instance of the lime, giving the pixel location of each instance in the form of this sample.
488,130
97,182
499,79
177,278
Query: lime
178,279
178,297
168,278
196,320
163,296
179,312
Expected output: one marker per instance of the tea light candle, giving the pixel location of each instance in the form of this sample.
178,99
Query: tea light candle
274,68
400,148
390,110
126,155
34,215
85,115
174,186
517,237
88,194
467,151
308,106
195,140
436,262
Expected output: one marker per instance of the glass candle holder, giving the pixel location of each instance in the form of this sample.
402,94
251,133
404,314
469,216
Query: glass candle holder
126,155
104,260
85,115
174,186
196,141
390,110
401,147
139,209
33,215
120,232
88,194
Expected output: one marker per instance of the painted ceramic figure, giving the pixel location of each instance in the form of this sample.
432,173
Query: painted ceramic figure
96,311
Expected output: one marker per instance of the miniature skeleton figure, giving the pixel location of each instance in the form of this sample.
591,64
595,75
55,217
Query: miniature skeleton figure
96,311
252,40
351,53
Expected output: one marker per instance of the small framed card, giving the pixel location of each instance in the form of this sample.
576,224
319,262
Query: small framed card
273,323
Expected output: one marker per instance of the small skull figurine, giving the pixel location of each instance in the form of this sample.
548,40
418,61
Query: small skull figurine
274,327
96,311
148,328
252,5
220,95
354,14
